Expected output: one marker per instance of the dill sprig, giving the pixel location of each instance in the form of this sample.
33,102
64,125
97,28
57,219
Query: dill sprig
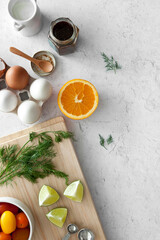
109,139
103,142
111,64
32,161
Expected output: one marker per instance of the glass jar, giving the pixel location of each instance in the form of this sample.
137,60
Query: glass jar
63,35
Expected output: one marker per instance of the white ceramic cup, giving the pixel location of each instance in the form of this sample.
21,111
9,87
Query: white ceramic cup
26,16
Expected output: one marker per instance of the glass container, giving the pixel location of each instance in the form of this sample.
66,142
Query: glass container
63,35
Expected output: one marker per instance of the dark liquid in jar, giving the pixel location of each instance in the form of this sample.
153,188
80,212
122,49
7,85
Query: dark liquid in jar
63,31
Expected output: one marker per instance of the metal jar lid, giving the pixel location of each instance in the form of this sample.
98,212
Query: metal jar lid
69,40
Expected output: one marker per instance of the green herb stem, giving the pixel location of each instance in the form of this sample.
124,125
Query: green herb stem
33,161
103,142
111,64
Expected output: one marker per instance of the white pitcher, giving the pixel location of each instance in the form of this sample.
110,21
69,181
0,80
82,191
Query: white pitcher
26,16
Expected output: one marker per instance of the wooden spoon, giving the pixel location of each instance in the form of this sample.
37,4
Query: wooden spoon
44,65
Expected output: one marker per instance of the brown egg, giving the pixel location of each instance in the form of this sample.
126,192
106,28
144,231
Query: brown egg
17,77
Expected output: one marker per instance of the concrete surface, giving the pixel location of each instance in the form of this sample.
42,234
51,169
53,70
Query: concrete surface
125,179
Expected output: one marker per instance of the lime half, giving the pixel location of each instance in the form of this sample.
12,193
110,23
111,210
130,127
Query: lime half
57,216
47,196
74,191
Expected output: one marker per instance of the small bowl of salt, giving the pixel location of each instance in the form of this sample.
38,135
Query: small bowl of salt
43,55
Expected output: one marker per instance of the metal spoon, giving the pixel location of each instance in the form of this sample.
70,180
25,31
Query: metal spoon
44,65
72,228
86,234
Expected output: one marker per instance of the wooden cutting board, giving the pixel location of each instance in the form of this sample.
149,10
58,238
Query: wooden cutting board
83,214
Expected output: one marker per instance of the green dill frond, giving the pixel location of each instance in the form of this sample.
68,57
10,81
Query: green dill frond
103,142
111,64
31,161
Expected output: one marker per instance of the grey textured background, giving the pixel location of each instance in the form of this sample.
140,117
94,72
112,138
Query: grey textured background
124,180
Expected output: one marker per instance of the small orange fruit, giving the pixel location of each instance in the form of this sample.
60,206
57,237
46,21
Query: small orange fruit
21,220
8,222
21,234
4,236
78,99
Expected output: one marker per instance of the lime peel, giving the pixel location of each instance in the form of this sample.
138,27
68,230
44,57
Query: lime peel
57,216
47,196
74,191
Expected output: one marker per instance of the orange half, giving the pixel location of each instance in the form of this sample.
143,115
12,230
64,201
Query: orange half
78,99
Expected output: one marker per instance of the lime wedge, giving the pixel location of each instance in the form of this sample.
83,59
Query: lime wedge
74,191
47,196
57,216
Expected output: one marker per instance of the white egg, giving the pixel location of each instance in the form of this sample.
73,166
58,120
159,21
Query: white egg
8,100
41,89
29,111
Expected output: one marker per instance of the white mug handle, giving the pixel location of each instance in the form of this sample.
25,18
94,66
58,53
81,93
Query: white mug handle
18,27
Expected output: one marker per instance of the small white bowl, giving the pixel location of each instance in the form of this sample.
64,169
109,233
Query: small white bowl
24,208
43,55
